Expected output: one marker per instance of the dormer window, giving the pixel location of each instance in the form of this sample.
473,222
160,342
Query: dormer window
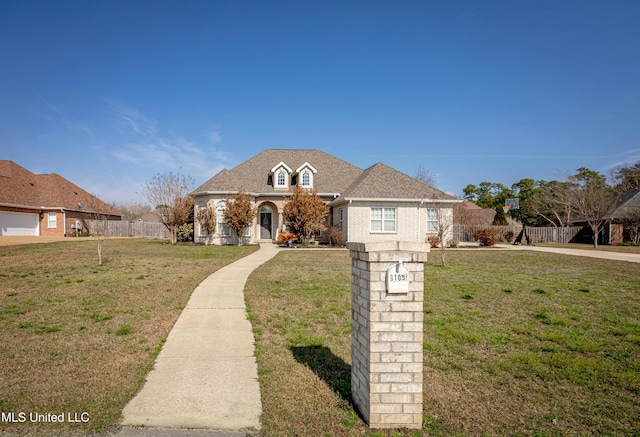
305,175
281,174
306,179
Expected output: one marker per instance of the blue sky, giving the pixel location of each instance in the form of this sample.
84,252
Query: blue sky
109,93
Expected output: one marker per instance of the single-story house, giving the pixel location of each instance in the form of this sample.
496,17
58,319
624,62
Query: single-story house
612,231
46,204
375,204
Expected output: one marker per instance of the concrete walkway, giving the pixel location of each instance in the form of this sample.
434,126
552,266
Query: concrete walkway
602,254
206,375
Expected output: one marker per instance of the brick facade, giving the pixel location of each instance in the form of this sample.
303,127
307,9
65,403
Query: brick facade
411,221
387,335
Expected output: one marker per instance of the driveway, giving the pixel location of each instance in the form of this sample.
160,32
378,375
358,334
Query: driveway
617,256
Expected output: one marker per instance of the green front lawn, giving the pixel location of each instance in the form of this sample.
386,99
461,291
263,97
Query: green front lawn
516,343
78,337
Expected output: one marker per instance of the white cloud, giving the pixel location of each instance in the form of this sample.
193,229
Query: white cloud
127,117
172,154
215,137
149,150
60,118
628,157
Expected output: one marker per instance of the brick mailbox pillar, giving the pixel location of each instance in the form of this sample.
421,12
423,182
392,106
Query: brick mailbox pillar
387,291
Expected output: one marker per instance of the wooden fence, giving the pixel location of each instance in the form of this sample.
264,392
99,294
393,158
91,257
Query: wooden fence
116,228
508,233
553,235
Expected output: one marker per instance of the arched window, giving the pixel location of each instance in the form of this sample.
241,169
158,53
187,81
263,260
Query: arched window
281,178
221,224
306,179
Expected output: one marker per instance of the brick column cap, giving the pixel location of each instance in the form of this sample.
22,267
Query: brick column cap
389,246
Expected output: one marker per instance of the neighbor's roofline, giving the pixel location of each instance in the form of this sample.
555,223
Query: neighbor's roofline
56,208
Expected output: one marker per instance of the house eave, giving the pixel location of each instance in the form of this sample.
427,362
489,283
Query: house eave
13,205
56,208
392,199
269,194
88,211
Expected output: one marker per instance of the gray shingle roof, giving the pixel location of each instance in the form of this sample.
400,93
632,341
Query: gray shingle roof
383,182
334,176
628,200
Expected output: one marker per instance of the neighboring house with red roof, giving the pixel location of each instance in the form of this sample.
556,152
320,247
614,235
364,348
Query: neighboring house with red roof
375,204
46,204
468,213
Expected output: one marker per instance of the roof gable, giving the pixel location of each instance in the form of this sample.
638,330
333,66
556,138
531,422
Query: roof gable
308,166
383,182
280,165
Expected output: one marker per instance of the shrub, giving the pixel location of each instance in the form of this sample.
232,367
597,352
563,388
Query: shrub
335,234
508,236
453,243
486,237
185,232
284,237
433,240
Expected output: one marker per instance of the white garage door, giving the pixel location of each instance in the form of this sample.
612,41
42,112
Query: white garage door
16,223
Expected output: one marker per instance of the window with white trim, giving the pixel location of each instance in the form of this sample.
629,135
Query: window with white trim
306,179
432,221
383,219
222,227
281,179
53,220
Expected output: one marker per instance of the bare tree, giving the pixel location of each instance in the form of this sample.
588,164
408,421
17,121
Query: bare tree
445,226
169,195
98,225
239,213
552,203
425,176
133,211
591,198
305,213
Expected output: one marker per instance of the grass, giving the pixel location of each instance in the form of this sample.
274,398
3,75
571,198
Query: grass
79,337
516,343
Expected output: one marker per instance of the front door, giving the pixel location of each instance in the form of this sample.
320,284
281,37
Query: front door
265,225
